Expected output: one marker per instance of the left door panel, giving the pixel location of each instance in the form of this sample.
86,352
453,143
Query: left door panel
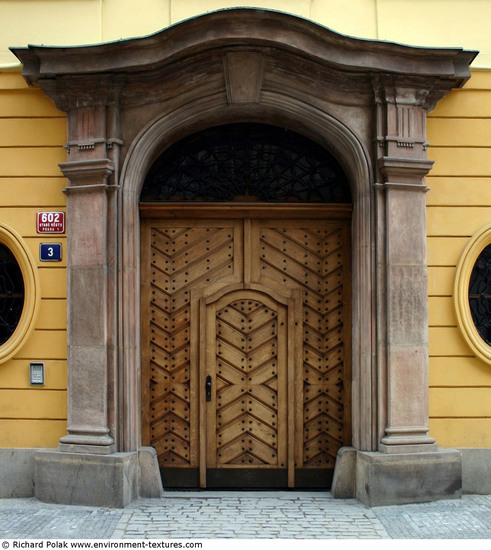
178,256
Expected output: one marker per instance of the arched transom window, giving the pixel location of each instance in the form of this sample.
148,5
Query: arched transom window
246,162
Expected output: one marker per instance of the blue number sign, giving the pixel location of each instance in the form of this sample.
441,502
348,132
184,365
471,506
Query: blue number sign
50,252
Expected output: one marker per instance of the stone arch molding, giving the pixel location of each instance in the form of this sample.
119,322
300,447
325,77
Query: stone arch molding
365,101
290,113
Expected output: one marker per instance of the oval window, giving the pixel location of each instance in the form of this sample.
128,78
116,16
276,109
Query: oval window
472,294
19,292
11,294
480,294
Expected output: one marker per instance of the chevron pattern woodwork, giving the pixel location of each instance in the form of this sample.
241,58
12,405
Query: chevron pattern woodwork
247,383
181,258
289,287
311,258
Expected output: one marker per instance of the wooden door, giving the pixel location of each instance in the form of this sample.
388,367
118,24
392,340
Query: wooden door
245,349
246,404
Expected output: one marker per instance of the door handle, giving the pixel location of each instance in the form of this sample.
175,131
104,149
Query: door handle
208,388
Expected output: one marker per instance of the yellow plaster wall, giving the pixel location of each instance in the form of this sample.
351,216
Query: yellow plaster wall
32,134
440,23
458,204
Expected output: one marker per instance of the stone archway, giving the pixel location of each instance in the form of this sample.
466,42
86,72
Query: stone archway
366,102
278,216
322,127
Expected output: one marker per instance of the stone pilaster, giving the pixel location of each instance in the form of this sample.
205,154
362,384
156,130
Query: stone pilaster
402,167
407,311
91,338
92,175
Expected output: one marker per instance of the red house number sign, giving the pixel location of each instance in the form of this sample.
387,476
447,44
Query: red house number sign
50,222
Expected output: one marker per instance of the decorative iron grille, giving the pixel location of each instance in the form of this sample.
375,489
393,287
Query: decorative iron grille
480,294
246,162
11,294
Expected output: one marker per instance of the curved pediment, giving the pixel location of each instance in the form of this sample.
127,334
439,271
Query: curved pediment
261,30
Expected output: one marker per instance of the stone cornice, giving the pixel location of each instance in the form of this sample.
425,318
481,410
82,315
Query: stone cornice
257,26
436,69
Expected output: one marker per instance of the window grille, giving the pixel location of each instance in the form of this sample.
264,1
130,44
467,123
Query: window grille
480,294
11,293
246,162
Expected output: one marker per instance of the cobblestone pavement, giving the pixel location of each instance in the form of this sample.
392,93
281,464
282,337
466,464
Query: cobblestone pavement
248,515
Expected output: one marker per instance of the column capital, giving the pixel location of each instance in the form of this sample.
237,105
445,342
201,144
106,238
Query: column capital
83,174
401,106
407,171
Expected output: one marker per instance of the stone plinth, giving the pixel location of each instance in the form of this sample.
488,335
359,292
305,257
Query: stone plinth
17,473
86,479
476,471
344,480
384,479
149,481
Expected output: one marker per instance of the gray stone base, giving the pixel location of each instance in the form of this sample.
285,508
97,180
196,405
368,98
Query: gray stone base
383,479
149,480
476,471
374,478
95,480
344,479
75,478
17,473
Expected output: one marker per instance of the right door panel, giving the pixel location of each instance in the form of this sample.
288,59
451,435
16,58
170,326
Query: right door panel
313,257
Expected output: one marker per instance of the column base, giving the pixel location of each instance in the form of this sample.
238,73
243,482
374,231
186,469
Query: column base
408,449
77,448
379,479
407,439
86,479
88,440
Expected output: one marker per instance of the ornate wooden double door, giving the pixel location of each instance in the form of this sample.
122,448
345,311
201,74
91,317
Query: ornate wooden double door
245,345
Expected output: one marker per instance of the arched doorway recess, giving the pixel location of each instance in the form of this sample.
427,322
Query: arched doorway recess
245,270
365,102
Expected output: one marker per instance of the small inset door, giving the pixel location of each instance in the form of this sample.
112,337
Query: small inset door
245,349
247,367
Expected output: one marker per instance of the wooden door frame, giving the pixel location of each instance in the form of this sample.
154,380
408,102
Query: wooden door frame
245,210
